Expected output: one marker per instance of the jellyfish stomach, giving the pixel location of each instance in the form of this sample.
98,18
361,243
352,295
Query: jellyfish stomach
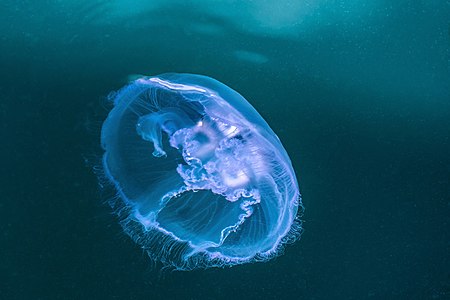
219,157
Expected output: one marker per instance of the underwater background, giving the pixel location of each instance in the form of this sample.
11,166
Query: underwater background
358,92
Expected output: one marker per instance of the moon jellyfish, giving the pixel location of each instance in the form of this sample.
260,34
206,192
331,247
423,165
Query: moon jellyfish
202,179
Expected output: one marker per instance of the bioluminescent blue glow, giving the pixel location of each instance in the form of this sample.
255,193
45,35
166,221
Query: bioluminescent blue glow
203,179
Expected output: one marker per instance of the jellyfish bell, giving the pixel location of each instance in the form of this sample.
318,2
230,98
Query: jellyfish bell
197,168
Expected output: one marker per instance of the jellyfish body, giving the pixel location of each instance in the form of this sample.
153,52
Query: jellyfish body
203,179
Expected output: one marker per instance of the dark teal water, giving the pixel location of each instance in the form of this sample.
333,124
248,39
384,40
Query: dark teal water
358,91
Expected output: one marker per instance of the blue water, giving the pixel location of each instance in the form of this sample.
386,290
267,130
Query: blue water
357,92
